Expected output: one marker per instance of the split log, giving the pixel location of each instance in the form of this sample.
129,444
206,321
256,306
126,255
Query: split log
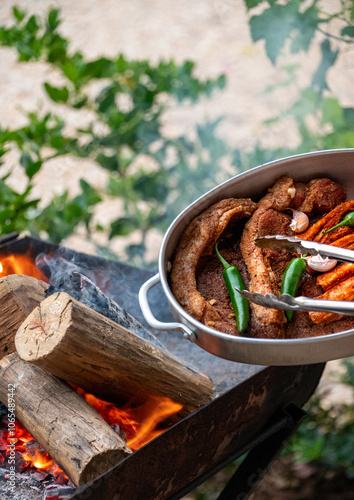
75,343
62,422
19,295
81,288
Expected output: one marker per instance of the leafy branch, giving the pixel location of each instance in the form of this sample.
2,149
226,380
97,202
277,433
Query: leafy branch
128,107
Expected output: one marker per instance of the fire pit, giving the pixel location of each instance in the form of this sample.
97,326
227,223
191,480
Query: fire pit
253,407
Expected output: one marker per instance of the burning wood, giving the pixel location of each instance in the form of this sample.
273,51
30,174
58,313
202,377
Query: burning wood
20,264
73,342
19,295
70,430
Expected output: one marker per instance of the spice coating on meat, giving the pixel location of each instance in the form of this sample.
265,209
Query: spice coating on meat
197,275
265,322
322,195
199,239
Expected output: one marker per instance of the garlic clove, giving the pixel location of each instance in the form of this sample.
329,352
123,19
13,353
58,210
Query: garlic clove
300,221
320,264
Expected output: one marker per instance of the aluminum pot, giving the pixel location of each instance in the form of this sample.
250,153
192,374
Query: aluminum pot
338,165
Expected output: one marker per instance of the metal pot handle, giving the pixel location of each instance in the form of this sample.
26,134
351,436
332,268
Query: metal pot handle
150,318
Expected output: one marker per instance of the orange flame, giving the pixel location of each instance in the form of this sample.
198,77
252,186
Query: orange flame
158,409
20,264
139,425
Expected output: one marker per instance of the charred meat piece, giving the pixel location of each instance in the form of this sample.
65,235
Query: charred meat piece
321,196
198,240
265,322
196,276
318,196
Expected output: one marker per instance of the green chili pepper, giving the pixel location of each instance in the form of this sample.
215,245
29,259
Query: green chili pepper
347,221
233,279
291,280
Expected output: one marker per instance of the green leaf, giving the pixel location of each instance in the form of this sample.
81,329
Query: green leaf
101,68
70,70
108,162
57,51
348,114
33,168
307,104
87,199
274,25
348,30
151,186
80,102
134,251
25,159
339,139
53,19
329,57
332,112
250,4
19,14
31,25
221,82
123,226
306,25
106,98
57,94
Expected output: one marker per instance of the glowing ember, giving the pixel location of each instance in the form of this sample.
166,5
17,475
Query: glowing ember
138,425
28,453
20,264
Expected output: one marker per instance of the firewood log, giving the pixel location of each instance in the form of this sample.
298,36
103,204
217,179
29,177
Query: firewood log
81,288
19,295
75,343
62,422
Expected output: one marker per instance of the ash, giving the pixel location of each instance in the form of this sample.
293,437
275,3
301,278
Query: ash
36,485
30,483
65,277
26,487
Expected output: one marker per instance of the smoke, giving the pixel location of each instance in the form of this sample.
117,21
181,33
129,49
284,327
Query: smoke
67,274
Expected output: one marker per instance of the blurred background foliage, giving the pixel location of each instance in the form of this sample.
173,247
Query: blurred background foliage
156,176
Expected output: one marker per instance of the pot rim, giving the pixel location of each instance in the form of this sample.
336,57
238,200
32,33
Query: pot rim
196,325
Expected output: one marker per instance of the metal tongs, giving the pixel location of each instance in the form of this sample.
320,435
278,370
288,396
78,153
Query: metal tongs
287,302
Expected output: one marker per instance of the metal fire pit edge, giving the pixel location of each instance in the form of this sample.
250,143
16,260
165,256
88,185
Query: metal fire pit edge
337,165
175,462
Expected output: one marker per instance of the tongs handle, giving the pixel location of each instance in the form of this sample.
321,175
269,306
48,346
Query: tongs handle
281,242
322,305
287,302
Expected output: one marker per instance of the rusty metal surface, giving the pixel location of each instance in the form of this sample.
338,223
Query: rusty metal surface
165,465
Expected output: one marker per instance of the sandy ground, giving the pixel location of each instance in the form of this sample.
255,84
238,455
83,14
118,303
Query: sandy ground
213,33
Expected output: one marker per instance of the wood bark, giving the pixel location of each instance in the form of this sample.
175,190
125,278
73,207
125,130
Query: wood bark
62,422
81,288
19,295
78,344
